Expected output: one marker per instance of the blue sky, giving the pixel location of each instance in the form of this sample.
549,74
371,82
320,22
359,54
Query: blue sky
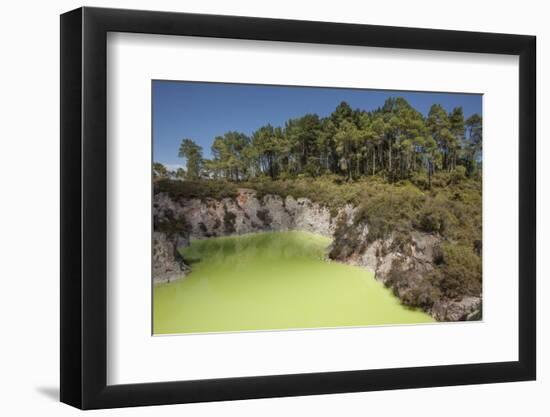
202,111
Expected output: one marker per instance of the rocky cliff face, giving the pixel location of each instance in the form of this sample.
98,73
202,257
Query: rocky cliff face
402,265
245,214
405,267
168,265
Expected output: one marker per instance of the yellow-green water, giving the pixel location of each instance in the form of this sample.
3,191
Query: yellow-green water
276,280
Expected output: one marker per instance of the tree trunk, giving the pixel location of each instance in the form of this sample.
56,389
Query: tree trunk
389,157
429,173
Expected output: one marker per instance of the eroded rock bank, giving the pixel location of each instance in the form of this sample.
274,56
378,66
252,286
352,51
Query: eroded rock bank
246,213
168,264
405,265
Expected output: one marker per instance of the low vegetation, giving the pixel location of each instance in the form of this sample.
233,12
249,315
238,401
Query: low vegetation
201,189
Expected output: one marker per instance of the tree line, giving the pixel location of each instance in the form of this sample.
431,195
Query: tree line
394,141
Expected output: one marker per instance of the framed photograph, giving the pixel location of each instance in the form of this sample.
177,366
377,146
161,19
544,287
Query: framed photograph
257,208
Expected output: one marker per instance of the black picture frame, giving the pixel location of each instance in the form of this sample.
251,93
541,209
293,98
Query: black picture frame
84,207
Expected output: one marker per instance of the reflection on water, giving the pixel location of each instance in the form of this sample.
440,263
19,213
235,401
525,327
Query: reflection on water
276,280
257,247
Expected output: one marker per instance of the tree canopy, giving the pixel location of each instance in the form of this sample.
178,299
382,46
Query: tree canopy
193,154
394,141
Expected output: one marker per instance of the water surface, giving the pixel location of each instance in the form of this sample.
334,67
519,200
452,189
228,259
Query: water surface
268,281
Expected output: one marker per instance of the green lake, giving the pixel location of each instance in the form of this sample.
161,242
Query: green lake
275,280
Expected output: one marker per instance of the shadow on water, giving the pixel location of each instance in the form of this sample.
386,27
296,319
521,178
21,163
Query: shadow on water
190,260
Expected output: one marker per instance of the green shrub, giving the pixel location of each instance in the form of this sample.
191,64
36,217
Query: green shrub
458,175
328,190
390,209
420,179
440,179
460,271
196,189
436,217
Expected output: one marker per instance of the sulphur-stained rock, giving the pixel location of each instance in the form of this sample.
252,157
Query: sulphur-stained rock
168,265
385,265
469,308
274,213
312,217
423,245
247,214
370,258
381,256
